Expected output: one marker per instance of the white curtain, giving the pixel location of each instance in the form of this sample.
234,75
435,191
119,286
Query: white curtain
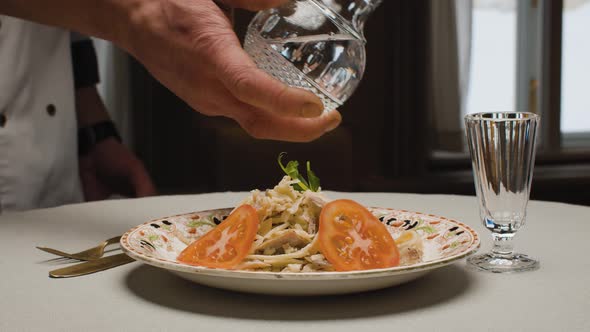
114,86
451,31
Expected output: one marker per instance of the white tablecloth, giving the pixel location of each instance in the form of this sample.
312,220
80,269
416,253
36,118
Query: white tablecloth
137,297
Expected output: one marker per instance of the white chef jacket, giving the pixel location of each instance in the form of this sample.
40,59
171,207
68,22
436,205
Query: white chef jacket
38,132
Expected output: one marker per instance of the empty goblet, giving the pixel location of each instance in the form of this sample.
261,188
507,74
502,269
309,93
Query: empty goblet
502,147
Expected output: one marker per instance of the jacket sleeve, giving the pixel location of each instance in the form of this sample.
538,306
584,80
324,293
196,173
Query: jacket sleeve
84,61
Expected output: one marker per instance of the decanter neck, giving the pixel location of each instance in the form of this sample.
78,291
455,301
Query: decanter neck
354,12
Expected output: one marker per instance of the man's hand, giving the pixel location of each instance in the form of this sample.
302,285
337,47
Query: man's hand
110,168
190,47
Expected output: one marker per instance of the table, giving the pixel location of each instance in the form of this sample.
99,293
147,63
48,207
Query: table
137,297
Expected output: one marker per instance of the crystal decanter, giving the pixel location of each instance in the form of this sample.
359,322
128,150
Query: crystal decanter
317,45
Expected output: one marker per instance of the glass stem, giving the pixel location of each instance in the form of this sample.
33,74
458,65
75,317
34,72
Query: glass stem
503,244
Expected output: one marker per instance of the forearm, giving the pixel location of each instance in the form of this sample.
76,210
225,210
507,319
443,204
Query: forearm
191,48
106,19
90,108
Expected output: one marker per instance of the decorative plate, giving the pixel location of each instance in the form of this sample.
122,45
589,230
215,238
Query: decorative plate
158,243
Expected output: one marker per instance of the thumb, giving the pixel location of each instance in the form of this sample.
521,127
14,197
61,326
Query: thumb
142,183
93,188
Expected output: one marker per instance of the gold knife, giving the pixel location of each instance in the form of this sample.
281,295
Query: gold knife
89,267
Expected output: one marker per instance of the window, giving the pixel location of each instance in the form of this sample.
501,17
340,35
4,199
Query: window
493,58
526,55
534,55
575,98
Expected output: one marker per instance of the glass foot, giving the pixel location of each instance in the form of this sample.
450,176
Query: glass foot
503,263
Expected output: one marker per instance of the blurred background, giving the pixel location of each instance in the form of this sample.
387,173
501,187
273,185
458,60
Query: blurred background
430,62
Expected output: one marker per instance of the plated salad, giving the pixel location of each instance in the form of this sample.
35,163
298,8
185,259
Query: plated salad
294,227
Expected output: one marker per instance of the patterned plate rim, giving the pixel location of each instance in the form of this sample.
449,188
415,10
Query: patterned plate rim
398,270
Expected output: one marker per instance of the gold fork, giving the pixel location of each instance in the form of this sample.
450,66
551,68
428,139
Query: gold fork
85,255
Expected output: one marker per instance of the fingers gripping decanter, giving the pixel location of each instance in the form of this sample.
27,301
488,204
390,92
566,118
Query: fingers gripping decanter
317,45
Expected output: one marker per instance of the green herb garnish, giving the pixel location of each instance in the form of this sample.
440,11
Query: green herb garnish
427,229
314,181
292,170
197,223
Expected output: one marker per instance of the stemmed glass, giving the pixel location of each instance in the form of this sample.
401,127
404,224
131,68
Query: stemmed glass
502,147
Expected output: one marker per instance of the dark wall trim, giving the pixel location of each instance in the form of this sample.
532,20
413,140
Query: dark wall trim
405,146
551,73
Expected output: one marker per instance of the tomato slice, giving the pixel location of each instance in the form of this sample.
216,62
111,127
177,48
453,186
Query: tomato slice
226,245
352,238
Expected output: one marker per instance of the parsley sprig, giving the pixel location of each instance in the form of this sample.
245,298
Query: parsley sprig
292,169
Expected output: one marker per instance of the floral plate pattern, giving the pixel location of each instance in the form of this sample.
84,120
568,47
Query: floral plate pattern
158,243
